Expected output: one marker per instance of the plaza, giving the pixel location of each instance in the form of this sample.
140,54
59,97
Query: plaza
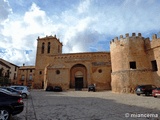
84,105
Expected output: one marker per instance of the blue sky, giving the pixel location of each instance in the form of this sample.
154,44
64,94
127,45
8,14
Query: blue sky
81,25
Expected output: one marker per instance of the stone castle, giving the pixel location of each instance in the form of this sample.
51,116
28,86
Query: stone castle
135,61
132,60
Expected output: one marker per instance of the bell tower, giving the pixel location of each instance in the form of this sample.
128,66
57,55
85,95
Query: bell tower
49,45
46,47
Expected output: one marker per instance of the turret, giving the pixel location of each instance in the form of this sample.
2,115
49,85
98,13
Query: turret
130,64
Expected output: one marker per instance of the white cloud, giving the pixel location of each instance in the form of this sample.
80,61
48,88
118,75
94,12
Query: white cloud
86,26
84,6
22,33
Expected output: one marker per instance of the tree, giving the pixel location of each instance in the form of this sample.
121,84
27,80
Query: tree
1,72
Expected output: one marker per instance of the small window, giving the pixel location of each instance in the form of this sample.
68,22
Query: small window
14,76
48,51
132,65
57,72
30,77
40,72
30,70
42,48
59,49
100,70
154,65
19,88
22,77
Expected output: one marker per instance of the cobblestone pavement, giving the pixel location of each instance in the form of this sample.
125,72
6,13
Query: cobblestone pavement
83,105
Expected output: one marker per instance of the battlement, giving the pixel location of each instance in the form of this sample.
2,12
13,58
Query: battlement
154,43
49,37
116,40
154,36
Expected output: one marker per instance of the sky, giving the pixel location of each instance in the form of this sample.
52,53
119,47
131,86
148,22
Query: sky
81,25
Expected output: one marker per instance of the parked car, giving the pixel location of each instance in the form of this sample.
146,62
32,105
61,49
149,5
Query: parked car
156,92
145,89
23,89
49,88
12,90
91,88
10,105
55,88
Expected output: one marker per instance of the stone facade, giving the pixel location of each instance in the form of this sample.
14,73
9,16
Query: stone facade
71,70
10,70
26,75
135,61
132,60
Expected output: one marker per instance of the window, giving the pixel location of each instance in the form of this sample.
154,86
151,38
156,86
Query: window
132,65
43,47
30,77
40,72
14,76
57,72
154,65
48,51
22,77
100,70
15,68
30,70
58,49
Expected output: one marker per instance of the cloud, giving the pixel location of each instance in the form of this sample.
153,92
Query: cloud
5,10
83,7
82,26
20,33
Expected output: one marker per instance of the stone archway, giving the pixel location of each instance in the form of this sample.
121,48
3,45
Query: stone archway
78,77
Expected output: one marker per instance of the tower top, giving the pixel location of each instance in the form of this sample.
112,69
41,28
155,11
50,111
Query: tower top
116,40
49,37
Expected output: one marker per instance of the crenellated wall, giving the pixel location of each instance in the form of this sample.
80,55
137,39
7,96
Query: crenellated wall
130,63
153,52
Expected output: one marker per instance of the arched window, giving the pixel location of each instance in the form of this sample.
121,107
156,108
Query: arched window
58,49
48,47
43,47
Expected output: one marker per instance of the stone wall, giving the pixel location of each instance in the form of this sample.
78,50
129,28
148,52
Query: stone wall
95,67
125,75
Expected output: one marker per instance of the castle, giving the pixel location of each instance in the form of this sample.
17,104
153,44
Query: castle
132,60
135,61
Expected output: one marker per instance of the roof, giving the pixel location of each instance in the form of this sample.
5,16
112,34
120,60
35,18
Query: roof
8,62
26,67
3,64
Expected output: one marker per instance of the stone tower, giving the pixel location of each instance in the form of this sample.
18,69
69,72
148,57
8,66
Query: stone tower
46,47
130,63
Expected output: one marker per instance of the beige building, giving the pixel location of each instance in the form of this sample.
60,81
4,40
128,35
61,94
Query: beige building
135,61
132,60
26,75
9,72
73,70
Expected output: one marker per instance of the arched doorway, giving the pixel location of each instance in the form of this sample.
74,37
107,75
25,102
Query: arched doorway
78,77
